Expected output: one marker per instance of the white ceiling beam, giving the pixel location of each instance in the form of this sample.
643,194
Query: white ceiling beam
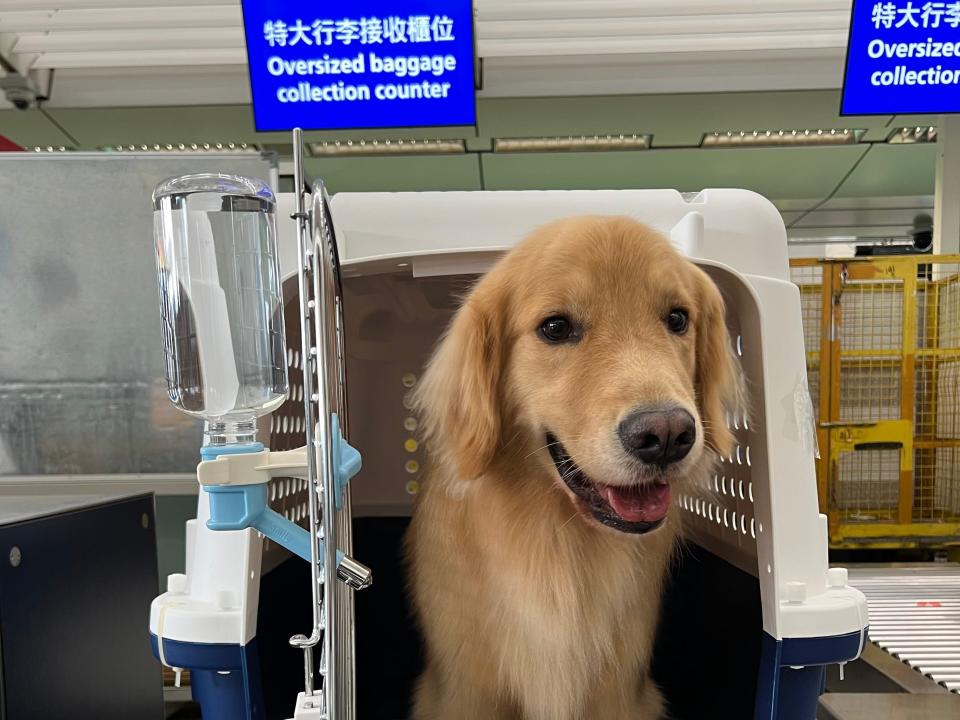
106,18
223,16
133,87
494,35
663,73
660,44
158,53
134,58
56,5
510,77
21,62
116,40
533,47
151,75
586,9
490,9
693,25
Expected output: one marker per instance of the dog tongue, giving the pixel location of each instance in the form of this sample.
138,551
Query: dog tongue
645,503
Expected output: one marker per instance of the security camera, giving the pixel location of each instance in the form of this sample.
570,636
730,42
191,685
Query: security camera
21,101
922,232
17,91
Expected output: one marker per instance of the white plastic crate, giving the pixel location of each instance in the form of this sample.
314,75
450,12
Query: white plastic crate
759,512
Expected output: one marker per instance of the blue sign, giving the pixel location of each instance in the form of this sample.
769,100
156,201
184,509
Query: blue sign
360,63
903,57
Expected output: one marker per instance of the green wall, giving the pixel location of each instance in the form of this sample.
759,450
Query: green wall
676,122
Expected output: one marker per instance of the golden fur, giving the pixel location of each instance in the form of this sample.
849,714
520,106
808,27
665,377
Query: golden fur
530,608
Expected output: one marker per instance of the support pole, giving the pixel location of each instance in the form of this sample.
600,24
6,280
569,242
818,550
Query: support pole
946,203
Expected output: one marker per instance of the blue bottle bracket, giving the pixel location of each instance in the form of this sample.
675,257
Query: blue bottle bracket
238,507
346,460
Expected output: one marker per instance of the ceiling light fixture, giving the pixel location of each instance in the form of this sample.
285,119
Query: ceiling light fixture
913,135
782,138
387,147
574,143
184,147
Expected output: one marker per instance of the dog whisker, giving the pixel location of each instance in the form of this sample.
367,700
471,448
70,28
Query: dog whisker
555,442
569,519
572,438
511,440
569,474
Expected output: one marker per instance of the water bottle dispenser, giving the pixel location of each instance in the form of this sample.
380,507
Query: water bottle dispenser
220,301
226,362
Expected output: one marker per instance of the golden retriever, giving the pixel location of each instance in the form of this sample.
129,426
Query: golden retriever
582,383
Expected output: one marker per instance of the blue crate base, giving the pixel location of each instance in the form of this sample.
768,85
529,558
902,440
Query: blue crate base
225,679
279,666
793,673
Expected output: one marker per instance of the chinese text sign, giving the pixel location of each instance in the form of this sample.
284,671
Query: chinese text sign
903,57
360,64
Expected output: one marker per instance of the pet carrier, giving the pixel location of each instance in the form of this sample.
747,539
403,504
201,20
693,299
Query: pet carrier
754,613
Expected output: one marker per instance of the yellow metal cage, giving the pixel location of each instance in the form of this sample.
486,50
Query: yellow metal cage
882,339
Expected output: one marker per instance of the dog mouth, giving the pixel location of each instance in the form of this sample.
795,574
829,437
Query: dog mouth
633,509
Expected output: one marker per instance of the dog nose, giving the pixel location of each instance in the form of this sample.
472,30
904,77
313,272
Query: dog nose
658,437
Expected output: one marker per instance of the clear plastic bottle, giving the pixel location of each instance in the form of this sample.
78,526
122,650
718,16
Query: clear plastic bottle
220,301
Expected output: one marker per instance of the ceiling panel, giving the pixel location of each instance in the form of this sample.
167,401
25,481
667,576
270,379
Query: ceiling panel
893,170
95,127
397,174
99,18
149,57
96,41
879,203
31,128
171,89
626,74
675,119
773,172
532,47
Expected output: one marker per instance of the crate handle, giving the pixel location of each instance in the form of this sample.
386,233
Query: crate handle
878,446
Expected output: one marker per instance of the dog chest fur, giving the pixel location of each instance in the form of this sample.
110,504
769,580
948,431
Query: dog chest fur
569,604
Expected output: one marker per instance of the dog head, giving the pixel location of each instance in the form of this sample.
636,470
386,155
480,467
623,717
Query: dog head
597,351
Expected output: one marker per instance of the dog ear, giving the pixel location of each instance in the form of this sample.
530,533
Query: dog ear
719,380
458,396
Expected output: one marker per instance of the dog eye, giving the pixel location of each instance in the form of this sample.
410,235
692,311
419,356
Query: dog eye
557,329
678,321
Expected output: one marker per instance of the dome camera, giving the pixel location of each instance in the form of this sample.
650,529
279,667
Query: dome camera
17,91
922,233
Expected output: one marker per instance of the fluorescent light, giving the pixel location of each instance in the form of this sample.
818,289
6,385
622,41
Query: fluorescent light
387,147
247,148
574,143
782,138
911,135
